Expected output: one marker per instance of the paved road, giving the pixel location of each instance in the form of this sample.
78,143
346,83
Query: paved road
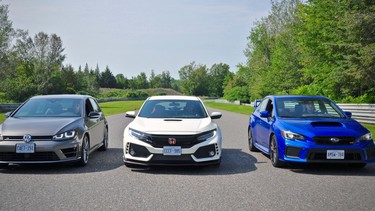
244,181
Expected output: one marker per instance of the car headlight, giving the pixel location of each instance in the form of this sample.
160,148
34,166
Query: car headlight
292,136
366,137
207,135
140,136
65,135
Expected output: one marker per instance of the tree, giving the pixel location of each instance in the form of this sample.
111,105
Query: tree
153,80
122,82
165,80
194,79
217,74
6,34
107,80
141,81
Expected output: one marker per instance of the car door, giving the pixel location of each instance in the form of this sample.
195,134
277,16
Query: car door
265,123
96,123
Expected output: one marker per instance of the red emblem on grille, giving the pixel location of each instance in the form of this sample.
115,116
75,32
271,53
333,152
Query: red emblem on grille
171,141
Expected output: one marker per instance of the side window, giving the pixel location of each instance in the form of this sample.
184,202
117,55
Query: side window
270,108
267,105
89,107
95,105
263,105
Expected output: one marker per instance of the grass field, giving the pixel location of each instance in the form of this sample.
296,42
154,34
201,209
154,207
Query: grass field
116,107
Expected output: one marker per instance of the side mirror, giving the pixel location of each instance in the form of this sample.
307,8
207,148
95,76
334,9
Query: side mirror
130,114
93,115
7,114
348,114
265,114
215,115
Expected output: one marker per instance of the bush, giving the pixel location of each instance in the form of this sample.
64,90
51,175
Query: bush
237,93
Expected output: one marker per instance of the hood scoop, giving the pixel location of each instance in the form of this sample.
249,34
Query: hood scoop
173,120
326,124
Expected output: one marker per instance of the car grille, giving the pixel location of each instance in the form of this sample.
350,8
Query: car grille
327,140
37,156
34,138
185,141
321,155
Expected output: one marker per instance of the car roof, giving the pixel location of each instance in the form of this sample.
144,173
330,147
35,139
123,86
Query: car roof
173,97
296,96
61,96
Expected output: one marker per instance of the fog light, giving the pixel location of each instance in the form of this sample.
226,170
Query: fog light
132,152
211,153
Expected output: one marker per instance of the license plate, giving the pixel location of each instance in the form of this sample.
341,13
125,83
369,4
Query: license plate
25,148
335,154
169,150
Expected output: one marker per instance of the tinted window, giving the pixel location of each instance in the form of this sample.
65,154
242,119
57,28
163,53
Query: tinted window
95,105
49,107
307,107
173,109
267,105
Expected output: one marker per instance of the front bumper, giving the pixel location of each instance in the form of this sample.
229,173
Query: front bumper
141,153
308,152
46,151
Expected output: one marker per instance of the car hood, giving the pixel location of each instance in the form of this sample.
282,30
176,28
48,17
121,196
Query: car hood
172,126
324,127
35,126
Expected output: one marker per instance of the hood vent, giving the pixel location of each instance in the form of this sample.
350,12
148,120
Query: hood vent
173,120
326,124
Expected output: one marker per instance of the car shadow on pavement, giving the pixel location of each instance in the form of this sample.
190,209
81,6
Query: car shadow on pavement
233,161
98,162
332,169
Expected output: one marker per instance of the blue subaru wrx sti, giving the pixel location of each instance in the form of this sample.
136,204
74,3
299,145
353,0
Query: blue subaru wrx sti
308,129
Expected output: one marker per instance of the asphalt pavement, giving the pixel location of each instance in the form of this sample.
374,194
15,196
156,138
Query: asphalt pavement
244,181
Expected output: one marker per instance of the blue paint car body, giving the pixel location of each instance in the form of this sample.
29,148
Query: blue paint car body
308,129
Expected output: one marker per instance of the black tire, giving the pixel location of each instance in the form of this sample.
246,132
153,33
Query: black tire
85,151
274,153
104,147
250,139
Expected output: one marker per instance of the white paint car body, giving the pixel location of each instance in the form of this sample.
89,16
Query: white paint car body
174,136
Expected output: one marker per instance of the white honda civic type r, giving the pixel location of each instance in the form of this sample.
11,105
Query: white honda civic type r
172,130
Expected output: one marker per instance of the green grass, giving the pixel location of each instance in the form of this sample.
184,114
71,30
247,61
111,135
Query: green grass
2,117
242,109
117,107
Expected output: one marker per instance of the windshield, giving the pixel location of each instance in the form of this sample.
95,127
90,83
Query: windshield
173,109
50,108
307,107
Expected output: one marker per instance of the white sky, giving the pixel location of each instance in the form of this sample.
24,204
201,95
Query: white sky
133,36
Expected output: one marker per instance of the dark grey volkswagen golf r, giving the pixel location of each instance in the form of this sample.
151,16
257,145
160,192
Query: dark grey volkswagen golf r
52,129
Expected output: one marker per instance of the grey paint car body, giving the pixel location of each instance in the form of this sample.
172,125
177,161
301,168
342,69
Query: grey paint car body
91,122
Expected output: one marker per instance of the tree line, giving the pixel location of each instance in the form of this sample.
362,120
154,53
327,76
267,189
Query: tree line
309,47
312,47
